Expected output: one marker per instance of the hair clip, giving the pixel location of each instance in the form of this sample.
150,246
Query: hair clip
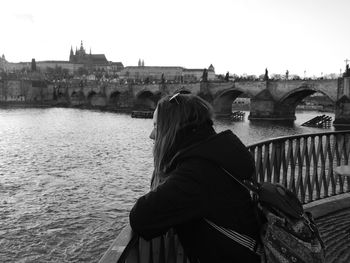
173,98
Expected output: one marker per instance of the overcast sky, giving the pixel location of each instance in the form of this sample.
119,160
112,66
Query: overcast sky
239,36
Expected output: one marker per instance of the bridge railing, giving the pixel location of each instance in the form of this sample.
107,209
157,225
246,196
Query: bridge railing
303,163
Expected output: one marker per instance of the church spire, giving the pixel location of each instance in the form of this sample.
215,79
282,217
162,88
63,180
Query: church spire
82,50
71,54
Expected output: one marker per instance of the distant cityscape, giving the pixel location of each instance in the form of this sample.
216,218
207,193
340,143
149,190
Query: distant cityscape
86,67
96,66
89,66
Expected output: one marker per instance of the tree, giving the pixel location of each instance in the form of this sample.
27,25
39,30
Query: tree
82,71
295,77
276,76
65,72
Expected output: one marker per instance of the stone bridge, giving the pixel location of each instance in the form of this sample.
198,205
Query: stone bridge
270,100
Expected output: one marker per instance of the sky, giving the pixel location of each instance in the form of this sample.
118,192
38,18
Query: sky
305,37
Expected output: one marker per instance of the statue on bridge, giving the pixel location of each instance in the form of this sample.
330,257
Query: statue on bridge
347,71
205,75
227,76
266,76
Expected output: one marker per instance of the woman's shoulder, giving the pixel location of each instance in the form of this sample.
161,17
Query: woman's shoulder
196,168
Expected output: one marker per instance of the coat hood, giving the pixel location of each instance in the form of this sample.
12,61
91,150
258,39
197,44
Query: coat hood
224,149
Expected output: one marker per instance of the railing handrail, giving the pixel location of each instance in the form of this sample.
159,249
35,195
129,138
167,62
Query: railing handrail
121,246
296,136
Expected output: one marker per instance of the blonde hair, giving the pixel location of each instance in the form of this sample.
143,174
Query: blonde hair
176,114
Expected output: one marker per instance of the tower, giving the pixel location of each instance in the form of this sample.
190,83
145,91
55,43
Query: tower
82,50
71,54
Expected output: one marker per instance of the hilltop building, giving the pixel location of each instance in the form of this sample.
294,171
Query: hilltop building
155,73
77,60
82,57
81,62
93,61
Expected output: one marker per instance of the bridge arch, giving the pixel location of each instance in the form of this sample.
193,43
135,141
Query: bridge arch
96,99
146,100
299,94
114,99
222,102
292,99
90,95
77,97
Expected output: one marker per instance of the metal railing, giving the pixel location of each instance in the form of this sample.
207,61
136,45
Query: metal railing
302,163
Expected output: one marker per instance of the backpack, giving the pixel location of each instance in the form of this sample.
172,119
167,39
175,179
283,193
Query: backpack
287,232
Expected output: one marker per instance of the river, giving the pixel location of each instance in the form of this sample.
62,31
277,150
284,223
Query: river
68,177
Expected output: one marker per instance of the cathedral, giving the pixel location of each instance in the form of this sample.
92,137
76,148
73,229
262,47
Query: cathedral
81,57
93,61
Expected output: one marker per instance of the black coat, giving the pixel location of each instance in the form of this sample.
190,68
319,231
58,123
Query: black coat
196,188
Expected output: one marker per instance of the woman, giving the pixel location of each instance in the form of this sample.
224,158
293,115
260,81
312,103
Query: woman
190,187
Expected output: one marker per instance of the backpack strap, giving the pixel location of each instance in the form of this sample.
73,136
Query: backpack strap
241,239
249,185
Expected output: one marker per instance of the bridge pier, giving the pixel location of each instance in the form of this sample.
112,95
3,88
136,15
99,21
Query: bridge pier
342,105
264,107
270,110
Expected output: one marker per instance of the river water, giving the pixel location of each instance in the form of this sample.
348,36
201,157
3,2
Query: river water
68,177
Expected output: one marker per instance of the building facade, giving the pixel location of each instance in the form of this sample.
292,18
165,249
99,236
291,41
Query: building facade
157,73
93,62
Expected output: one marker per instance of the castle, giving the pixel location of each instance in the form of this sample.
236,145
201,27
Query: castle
80,56
81,61
90,62
93,61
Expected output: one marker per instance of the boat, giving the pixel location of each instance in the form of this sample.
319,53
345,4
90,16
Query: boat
142,114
